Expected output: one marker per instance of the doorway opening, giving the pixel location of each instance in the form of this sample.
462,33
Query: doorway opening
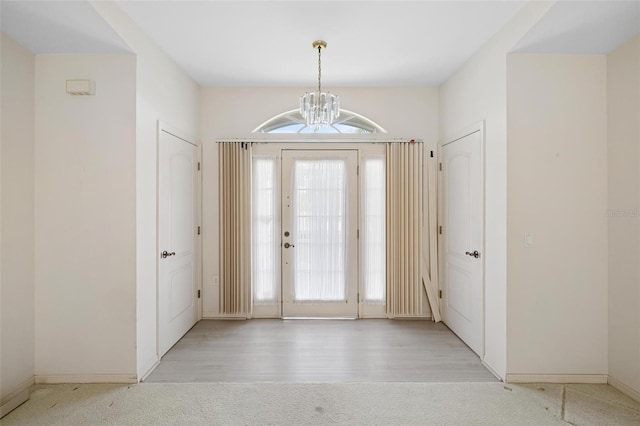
298,169
318,231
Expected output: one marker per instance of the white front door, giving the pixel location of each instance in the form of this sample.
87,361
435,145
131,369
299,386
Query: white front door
319,234
177,284
462,240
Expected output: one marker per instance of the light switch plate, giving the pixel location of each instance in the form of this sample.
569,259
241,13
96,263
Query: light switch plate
529,241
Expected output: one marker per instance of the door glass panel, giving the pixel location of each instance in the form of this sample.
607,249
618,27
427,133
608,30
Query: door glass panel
265,244
319,220
374,229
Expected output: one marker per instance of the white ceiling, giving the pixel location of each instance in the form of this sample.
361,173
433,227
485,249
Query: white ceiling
583,27
59,27
370,43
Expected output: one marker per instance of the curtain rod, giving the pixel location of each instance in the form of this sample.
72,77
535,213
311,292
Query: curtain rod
266,141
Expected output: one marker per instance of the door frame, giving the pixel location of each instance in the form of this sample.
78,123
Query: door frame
477,127
164,127
364,148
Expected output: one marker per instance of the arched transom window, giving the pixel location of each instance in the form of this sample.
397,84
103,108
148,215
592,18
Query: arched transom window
292,122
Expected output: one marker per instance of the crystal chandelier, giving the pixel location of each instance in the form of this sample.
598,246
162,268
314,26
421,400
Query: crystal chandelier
319,108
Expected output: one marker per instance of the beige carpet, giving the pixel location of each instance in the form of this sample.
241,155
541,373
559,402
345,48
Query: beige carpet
326,404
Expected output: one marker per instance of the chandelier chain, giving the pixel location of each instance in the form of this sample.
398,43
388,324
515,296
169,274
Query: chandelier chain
319,68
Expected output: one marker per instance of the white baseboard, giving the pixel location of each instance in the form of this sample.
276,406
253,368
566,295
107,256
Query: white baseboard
212,316
148,367
16,397
492,371
556,378
414,318
149,371
86,378
625,389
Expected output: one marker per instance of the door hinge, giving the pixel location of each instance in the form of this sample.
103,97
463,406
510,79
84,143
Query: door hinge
198,165
198,294
198,230
358,170
440,166
358,233
440,294
431,154
440,229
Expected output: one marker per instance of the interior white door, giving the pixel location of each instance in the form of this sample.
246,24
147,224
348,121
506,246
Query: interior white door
462,240
319,234
177,283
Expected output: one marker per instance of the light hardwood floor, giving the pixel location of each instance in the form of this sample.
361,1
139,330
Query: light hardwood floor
367,350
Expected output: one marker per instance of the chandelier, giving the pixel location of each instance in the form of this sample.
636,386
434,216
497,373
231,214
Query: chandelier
319,108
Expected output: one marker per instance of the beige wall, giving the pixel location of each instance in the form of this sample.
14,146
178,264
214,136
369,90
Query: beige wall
623,83
235,112
17,218
403,112
557,191
475,93
163,93
85,268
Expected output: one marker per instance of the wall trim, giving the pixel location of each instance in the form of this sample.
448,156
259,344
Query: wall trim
492,370
625,389
85,378
18,396
468,130
149,370
215,316
556,378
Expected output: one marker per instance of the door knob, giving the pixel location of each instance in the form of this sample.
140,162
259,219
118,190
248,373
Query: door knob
287,245
166,254
473,254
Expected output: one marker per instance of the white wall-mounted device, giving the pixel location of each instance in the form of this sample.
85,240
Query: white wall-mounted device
81,87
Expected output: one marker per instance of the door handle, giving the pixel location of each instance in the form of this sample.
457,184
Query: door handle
166,254
473,254
287,245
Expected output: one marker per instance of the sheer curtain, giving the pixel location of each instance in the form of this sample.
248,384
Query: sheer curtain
265,244
373,229
319,212
234,173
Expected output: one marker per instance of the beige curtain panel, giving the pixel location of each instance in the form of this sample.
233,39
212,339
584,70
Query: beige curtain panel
404,229
234,168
